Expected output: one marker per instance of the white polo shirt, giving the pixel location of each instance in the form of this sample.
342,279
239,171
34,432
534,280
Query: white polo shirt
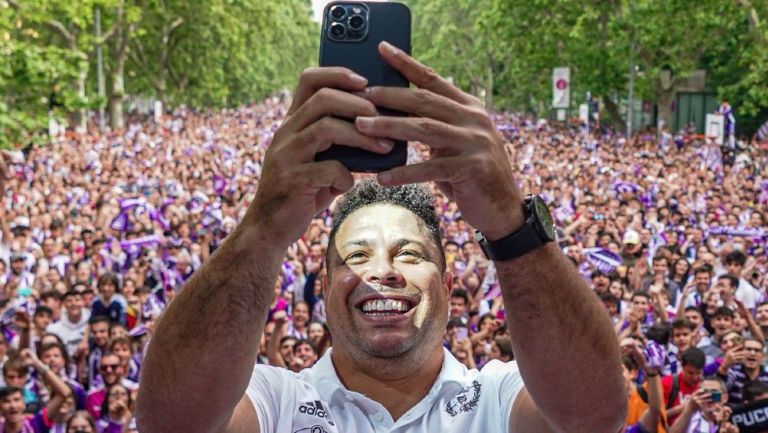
315,401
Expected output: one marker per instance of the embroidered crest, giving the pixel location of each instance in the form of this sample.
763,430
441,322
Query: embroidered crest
466,401
313,429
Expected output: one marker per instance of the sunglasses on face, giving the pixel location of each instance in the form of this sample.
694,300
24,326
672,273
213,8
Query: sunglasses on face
109,367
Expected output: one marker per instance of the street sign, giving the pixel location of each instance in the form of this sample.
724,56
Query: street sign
561,87
715,129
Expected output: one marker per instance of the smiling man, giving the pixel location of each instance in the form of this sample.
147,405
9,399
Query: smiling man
387,290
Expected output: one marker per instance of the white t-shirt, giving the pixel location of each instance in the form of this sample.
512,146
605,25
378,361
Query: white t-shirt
315,401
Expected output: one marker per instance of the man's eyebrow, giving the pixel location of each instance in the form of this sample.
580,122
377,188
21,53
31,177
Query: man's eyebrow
365,243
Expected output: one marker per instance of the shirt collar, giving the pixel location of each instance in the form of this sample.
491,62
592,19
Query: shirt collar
328,382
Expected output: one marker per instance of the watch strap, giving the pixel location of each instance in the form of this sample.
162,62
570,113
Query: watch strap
512,246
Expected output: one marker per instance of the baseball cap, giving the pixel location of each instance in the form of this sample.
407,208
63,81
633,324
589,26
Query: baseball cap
631,237
21,222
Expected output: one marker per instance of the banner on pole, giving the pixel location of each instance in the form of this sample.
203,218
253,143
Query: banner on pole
561,87
715,130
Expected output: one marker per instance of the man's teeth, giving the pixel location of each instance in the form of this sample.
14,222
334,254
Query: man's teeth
385,306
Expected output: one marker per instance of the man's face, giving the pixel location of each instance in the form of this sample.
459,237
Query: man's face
123,352
17,266
387,294
733,268
286,348
640,304
660,267
53,358
681,338
100,333
458,306
702,281
12,408
723,286
42,320
755,354
691,375
15,378
306,354
762,315
300,314
721,324
111,369
74,305
601,283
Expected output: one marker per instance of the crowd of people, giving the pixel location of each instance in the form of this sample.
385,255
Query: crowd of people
99,233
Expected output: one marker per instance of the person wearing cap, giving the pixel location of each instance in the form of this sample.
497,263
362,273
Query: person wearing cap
631,248
19,278
387,293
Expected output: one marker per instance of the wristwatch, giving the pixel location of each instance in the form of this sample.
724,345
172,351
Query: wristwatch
538,229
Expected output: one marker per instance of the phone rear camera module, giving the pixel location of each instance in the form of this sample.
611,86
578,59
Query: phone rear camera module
356,23
338,13
337,31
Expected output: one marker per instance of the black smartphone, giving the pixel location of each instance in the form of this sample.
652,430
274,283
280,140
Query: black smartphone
351,33
717,396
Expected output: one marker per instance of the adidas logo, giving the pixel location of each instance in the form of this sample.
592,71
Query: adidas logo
315,408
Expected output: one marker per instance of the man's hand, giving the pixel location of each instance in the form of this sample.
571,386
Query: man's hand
29,358
468,161
293,187
21,320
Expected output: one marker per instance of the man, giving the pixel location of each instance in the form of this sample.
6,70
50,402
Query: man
687,381
71,327
702,414
737,374
761,316
683,332
387,364
600,281
298,326
702,279
660,279
722,322
99,330
501,349
112,372
460,305
746,293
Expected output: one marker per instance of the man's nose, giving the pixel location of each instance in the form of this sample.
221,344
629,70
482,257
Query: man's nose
383,271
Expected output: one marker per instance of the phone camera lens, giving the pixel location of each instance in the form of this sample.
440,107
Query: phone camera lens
356,22
338,13
338,30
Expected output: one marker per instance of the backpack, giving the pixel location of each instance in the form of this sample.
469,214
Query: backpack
672,392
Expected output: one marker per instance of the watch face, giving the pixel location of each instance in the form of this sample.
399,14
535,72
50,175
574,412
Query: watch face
547,224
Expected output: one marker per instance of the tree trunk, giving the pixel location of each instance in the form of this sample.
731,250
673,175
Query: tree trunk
119,53
489,90
78,119
664,97
613,118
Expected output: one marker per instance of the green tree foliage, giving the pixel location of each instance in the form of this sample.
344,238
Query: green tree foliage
518,42
203,53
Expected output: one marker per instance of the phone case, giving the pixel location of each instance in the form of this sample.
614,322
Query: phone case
387,21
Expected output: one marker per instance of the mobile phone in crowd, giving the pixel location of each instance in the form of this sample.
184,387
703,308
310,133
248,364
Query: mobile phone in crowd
717,396
462,333
350,36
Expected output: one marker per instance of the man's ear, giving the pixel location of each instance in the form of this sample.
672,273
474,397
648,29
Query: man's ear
324,283
448,283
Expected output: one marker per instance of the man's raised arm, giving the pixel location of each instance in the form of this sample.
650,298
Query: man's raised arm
202,356
563,341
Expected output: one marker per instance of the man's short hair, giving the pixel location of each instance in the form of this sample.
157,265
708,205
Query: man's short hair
504,344
694,357
629,363
694,309
723,311
756,340
15,364
733,280
683,324
703,269
8,391
70,293
413,197
460,293
109,278
304,342
98,319
50,294
753,390
640,295
659,333
660,257
736,258
42,310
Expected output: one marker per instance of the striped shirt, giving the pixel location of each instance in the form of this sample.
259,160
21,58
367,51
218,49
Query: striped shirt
737,379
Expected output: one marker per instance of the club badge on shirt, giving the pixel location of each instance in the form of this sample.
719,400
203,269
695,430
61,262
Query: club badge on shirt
466,401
